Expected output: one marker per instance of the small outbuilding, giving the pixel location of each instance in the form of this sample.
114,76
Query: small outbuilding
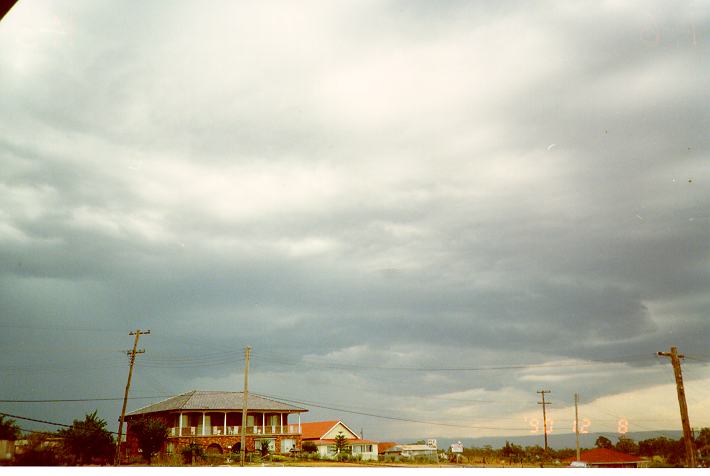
607,458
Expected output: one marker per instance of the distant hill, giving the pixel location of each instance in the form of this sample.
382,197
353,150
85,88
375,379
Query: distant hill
556,441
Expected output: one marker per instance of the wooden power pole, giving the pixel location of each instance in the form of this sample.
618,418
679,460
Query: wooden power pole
132,355
544,414
576,422
687,433
242,451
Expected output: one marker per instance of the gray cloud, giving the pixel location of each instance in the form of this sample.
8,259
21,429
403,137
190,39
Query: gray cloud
383,184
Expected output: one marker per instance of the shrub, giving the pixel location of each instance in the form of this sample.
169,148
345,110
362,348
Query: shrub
309,447
192,453
41,452
170,459
214,459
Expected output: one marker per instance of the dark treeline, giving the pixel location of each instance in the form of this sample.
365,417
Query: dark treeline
660,451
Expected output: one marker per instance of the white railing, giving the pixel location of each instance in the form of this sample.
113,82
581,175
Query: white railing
234,430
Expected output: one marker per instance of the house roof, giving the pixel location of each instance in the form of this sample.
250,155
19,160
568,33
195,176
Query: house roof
606,456
211,400
398,448
315,430
350,441
385,445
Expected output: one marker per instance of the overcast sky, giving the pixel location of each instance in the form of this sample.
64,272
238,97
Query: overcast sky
360,191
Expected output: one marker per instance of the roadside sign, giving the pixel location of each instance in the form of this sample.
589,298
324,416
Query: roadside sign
457,447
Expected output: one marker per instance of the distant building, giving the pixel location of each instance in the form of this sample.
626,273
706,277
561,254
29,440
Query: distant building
607,458
383,446
412,451
323,434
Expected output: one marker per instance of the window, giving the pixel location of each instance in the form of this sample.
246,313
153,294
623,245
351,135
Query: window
287,445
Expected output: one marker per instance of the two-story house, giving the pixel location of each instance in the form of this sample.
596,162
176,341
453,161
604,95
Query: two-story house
214,421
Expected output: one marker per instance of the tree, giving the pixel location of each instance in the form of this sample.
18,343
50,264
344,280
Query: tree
88,440
512,452
603,442
151,434
627,445
341,443
8,429
702,442
309,447
264,447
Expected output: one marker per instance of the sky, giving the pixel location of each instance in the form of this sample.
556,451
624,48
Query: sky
417,214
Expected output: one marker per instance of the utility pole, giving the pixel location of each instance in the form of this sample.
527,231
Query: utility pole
576,422
242,451
544,414
132,355
687,434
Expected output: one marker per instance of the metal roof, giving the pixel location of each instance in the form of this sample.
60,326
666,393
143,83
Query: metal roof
211,400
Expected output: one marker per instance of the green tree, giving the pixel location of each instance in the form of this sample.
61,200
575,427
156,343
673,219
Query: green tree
151,434
603,442
264,447
88,440
8,429
627,445
309,447
341,443
702,442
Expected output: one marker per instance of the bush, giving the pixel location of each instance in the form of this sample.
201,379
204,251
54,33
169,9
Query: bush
192,453
214,459
342,457
309,447
170,459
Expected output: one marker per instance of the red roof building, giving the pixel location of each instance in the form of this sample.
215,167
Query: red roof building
607,458
324,433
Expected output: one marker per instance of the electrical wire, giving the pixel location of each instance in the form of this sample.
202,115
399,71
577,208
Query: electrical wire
47,422
68,400
348,366
387,417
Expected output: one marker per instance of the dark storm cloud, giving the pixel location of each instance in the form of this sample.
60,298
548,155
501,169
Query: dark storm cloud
396,184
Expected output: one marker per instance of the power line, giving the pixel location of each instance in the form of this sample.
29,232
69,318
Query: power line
409,420
347,366
35,420
100,399
59,328
47,422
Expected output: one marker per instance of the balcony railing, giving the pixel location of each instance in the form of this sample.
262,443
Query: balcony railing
235,430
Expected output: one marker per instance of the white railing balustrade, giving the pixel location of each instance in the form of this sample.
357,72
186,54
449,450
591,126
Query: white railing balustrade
234,430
